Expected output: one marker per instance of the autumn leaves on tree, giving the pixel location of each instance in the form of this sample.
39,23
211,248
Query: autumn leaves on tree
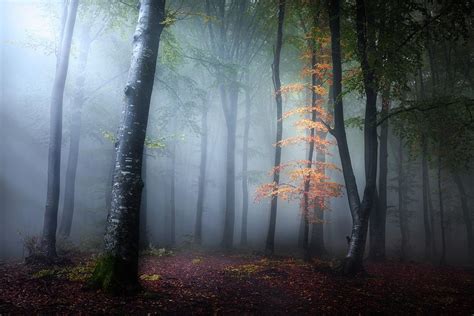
306,180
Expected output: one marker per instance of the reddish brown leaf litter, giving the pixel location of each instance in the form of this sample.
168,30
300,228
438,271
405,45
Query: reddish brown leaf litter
203,283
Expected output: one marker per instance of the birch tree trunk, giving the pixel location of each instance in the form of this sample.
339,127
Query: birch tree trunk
143,237
117,269
48,242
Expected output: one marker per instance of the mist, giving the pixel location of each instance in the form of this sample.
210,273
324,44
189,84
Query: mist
215,97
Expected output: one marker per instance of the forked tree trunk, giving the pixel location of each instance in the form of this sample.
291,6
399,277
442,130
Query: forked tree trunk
202,179
245,189
360,211
270,243
76,122
48,242
116,271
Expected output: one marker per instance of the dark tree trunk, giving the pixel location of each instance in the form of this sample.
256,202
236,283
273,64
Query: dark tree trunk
76,122
428,216
270,243
48,242
202,179
379,217
309,165
466,215
245,189
317,244
402,212
426,192
231,120
117,269
442,260
301,231
360,211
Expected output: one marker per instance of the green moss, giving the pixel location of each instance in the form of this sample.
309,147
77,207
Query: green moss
104,275
45,273
114,276
150,277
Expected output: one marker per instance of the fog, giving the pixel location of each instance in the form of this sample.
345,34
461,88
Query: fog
185,87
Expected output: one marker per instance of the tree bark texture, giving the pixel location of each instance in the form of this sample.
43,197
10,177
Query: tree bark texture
117,270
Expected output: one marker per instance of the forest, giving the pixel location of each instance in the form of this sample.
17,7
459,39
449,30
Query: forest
215,157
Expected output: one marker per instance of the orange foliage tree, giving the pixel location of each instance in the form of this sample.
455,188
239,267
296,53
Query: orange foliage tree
306,180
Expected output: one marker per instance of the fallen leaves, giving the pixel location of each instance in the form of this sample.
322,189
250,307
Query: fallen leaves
202,283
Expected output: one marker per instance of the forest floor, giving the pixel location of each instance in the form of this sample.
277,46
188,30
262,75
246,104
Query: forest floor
216,283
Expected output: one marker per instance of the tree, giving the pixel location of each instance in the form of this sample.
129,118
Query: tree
202,175
270,242
360,211
234,42
306,180
245,149
48,242
89,33
117,269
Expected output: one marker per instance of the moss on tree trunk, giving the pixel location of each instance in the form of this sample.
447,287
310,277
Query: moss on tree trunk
112,275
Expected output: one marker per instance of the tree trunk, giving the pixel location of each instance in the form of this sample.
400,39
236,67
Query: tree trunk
76,122
379,217
172,218
426,193
402,212
143,239
466,214
270,243
309,165
231,120
48,242
202,179
245,190
442,260
110,180
116,271
360,211
317,244
301,231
